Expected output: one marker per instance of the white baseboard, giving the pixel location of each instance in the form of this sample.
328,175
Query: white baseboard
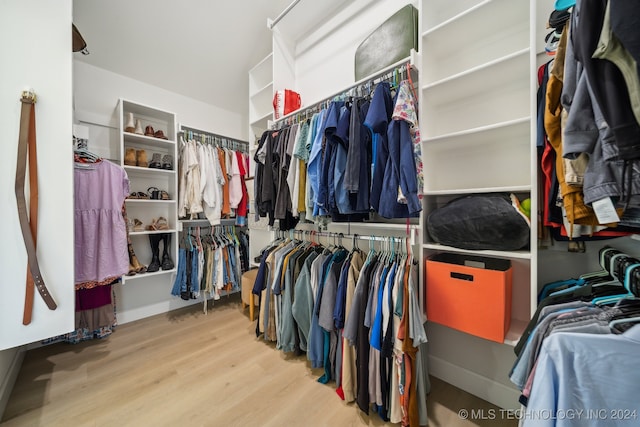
485,388
9,378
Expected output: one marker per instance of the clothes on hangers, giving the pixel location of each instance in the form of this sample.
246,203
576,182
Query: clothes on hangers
355,315
210,262
585,140
100,192
557,365
353,151
212,182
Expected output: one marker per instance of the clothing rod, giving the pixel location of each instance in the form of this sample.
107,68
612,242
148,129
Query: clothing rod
182,223
332,234
284,13
371,78
184,129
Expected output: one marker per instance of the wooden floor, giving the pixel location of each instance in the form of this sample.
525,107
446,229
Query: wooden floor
185,368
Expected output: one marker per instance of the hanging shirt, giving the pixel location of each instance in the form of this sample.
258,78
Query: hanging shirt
405,109
235,182
226,209
314,142
572,371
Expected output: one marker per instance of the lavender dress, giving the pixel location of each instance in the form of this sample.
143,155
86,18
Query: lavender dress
100,231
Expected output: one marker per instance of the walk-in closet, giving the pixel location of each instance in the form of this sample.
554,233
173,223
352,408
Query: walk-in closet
348,212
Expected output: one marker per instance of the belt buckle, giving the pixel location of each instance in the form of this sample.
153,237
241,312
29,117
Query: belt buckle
29,96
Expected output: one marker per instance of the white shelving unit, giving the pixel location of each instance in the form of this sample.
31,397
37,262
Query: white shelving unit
478,120
260,97
141,179
477,88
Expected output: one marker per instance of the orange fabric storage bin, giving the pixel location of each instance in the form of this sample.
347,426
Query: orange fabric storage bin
469,293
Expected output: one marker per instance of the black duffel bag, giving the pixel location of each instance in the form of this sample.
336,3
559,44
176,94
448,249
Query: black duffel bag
477,222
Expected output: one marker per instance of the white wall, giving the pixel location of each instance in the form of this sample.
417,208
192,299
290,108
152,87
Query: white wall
96,94
35,44
325,58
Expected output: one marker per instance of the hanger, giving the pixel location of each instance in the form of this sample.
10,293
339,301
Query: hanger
623,320
90,159
626,286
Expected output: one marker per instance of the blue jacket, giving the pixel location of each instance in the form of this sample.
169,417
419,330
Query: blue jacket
395,167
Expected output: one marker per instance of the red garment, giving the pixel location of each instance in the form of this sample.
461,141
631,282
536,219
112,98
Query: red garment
244,202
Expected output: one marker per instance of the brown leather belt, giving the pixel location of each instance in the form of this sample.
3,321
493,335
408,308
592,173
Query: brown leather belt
28,224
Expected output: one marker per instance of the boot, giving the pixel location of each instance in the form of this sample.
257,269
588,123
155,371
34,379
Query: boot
130,157
130,126
138,129
141,158
167,262
133,261
154,241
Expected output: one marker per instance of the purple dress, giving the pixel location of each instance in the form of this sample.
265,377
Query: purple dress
100,231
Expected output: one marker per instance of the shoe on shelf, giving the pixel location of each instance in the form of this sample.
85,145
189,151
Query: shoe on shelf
139,195
160,134
164,195
133,261
160,223
130,126
167,162
154,242
138,129
137,225
148,131
132,270
156,161
130,157
167,262
154,193
141,158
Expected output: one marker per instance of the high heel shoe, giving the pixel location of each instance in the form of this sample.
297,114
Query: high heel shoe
133,261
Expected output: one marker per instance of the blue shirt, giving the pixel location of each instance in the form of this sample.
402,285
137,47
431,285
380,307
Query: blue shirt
378,117
597,374
315,157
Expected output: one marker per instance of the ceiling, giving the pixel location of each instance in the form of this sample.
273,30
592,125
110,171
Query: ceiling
202,49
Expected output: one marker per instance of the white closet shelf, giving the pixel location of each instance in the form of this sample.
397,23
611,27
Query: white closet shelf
144,110
491,74
494,130
143,275
487,11
523,254
516,329
459,191
438,11
149,141
265,63
262,120
149,201
146,232
266,88
148,171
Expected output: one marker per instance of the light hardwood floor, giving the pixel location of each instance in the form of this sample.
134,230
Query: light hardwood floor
185,368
